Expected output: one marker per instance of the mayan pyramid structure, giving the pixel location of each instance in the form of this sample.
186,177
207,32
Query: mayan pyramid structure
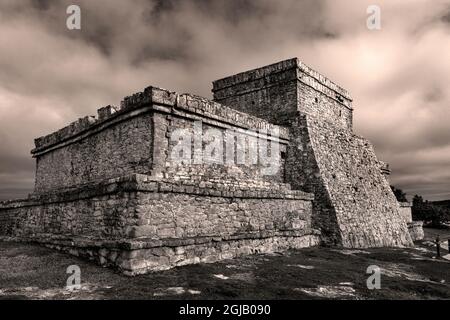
167,179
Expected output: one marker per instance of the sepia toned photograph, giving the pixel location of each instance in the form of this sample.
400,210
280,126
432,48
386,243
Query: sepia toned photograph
225,155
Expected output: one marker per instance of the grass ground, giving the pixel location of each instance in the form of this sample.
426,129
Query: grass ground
33,272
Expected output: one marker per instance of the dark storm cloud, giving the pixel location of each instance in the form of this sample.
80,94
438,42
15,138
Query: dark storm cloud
398,76
446,17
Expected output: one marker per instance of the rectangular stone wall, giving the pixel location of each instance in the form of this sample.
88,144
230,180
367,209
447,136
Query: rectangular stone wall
277,92
156,215
269,92
405,210
142,256
217,144
138,138
116,150
97,217
221,160
323,107
139,223
184,216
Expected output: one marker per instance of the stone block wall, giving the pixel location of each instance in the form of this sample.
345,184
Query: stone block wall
405,210
303,173
97,211
140,223
415,228
101,217
138,138
344,173
324,105
220,159
269,92
141,206
192,119
115,150
183,216
278,91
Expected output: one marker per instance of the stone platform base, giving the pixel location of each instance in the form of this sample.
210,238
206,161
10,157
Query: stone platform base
139,223
133,257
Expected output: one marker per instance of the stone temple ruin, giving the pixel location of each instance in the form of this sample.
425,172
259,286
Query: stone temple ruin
108,188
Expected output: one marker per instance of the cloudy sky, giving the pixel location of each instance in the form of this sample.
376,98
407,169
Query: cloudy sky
398,76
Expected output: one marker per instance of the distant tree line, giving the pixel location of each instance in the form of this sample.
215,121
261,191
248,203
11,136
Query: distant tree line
433,214
399,194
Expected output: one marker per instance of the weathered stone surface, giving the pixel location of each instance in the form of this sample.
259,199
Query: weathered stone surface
367,213
415,229
118,150
278,91
109,188
138,224
405,210
136,212
132,257
353,204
